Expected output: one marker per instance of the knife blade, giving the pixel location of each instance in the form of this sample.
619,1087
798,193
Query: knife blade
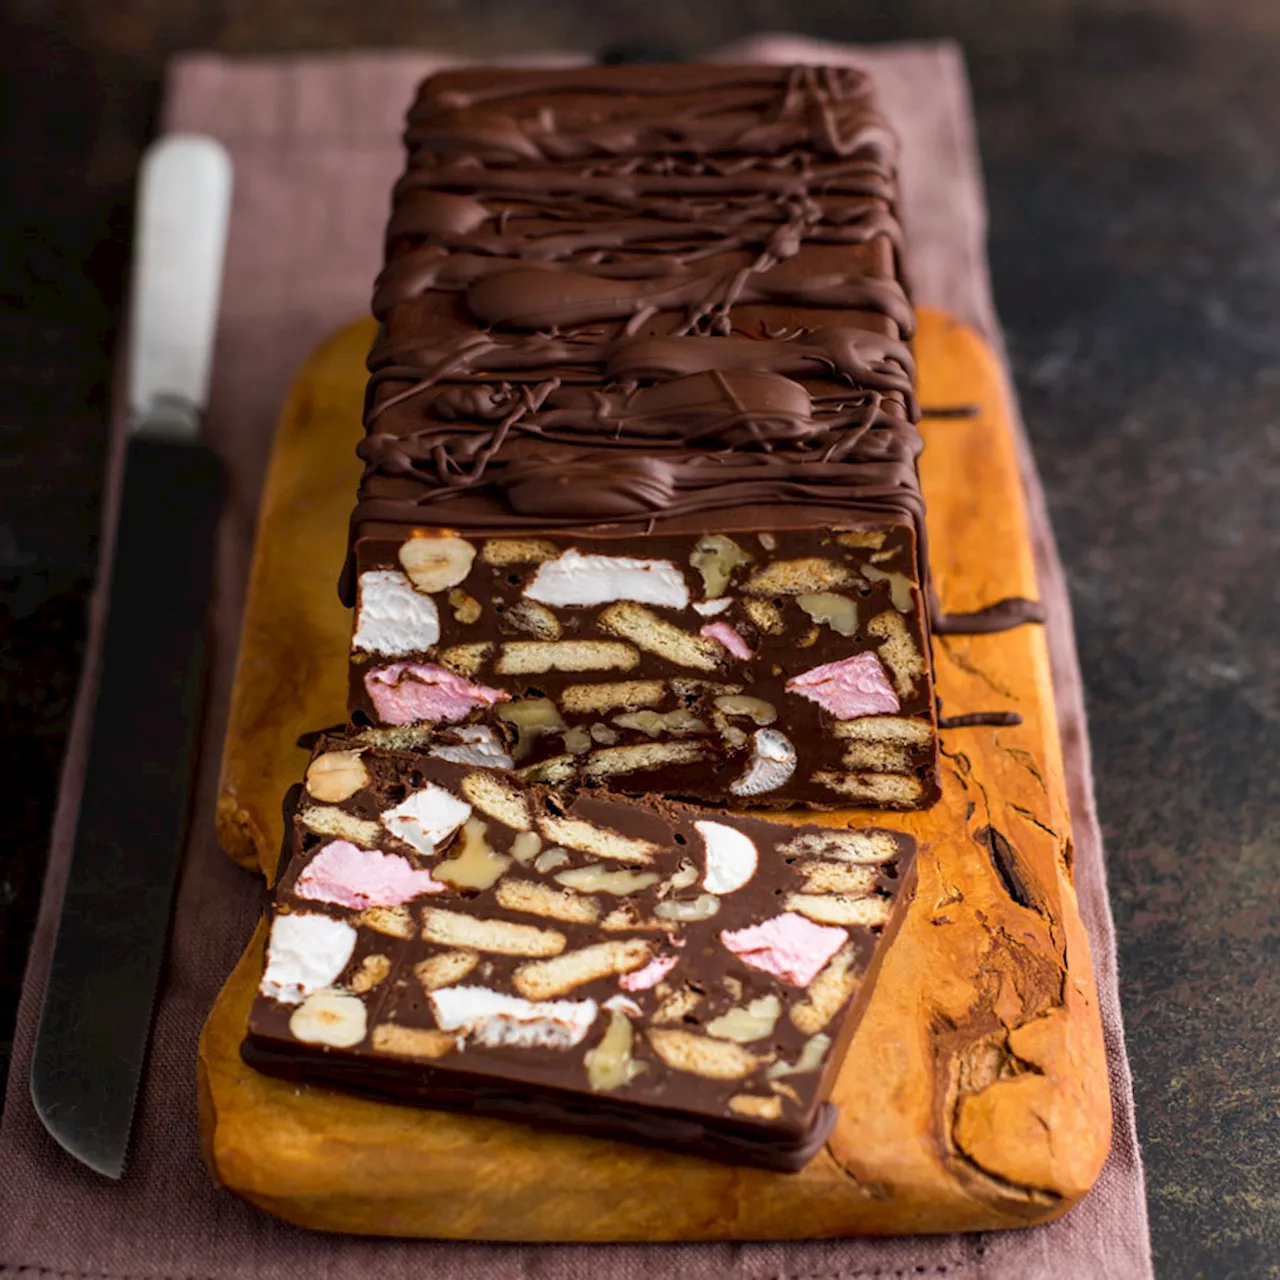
99,998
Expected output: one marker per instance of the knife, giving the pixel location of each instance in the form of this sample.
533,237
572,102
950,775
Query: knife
98,1002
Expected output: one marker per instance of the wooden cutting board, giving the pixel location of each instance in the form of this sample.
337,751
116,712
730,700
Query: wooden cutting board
975,1092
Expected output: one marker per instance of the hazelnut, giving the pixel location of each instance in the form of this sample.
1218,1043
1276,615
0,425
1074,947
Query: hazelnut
330,1017
435,562
336,776
837,612
715,557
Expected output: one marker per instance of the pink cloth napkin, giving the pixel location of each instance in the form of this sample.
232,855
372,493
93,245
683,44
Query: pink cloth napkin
315,143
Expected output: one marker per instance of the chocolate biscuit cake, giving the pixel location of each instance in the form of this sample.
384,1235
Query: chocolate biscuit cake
640,491
445,933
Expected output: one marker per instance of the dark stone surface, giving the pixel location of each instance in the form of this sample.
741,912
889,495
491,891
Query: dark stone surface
1134,170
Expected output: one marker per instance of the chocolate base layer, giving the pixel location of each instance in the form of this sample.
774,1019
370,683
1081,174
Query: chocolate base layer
445,935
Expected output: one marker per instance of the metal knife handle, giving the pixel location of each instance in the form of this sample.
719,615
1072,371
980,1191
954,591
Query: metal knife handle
101,987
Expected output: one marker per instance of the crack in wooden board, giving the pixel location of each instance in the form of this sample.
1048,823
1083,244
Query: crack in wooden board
974,1095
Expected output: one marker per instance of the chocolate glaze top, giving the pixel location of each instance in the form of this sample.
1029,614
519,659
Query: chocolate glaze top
637,293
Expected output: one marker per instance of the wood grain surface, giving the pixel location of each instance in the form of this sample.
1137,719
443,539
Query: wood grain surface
974,1095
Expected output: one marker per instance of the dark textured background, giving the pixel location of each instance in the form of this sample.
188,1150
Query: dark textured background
1132,152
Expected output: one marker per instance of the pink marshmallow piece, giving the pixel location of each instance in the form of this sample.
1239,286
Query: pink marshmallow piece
409,692
348,876
849,688
649,976
728,637
788,946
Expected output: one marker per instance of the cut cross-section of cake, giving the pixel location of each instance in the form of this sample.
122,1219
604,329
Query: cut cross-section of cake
619,967
640,483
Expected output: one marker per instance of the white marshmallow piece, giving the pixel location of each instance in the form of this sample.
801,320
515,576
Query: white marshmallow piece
427,818
711,608
478,745
731,859
773,762
575,579
492,1018
391,617
305,952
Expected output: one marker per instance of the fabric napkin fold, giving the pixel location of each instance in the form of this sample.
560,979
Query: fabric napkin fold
316,147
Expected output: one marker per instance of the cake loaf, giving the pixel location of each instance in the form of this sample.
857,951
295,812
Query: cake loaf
640,488
447,934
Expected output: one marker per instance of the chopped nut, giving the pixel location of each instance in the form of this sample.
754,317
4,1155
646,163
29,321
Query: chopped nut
534,618
413,1042
737,704
768,541
810,1059
699,1055
373,970
535,657
625,695
703,907
610,1064
532,718
394,922
466,659
336,776
716,557
434,562
750,1104
551,859
827,993
897,651
685,875
655,723
502,552
712,608
546,979
766,615
537,899
899,586
466,608
797,577
733,737
330,1017
602,734
325,821
889,789
786,1090
772,764
477,865
525,846
444,968
676,1006
733,986
493,796
626,918
840,909
646,629
746,1023
577,741
838,612
453,929
608,761
596,879
600,841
